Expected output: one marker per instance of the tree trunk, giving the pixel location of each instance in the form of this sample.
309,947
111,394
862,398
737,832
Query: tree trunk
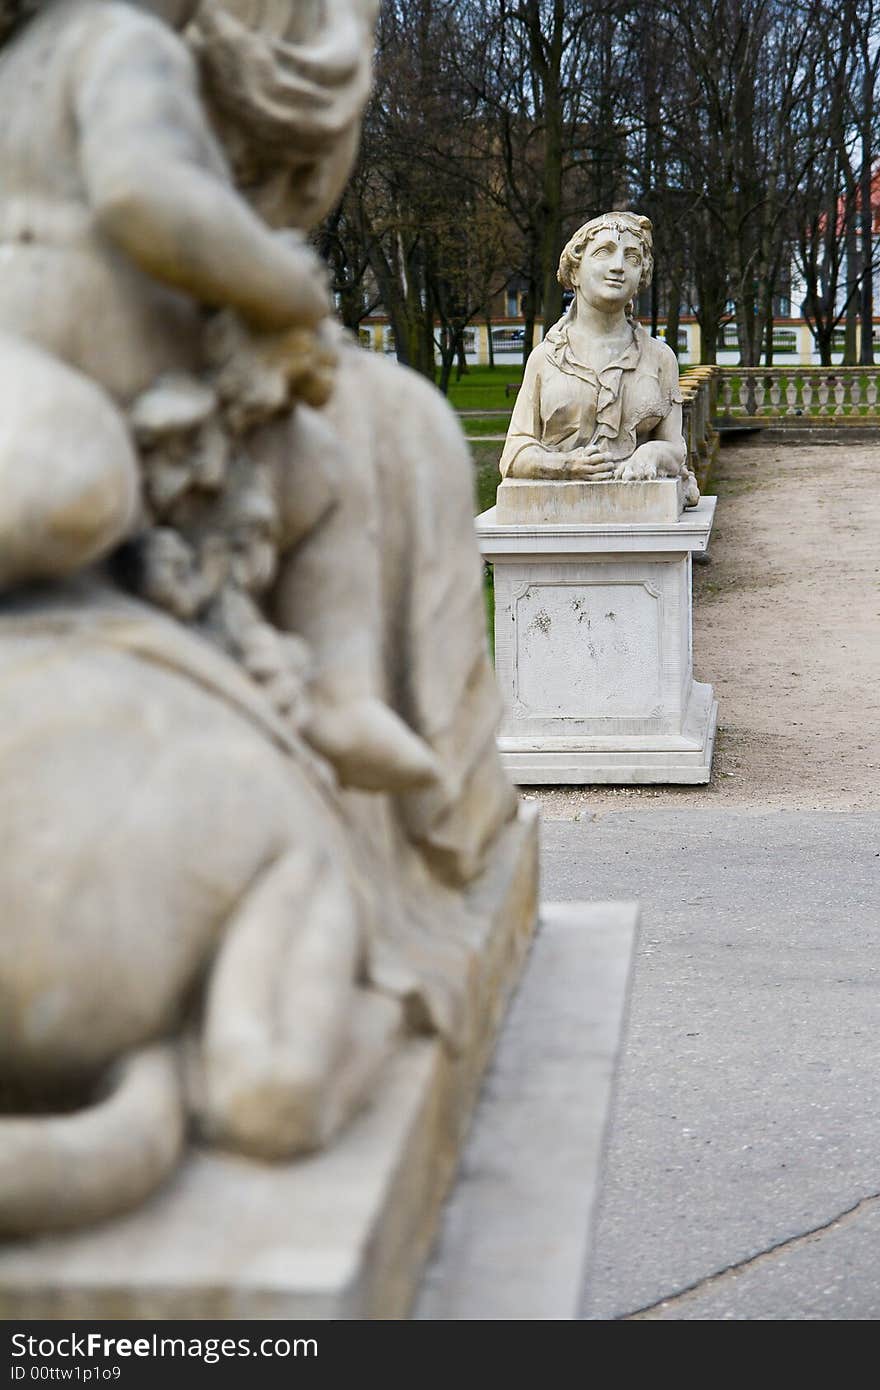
546,39
673,313
866,351
528,308
461,356
448,344
767,316
655,305
850,339
708,321
490,346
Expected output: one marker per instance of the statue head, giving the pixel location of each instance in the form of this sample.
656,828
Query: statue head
287,84
630,227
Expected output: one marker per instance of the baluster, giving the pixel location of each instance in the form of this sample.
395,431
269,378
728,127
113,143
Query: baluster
791,387
807,392
726,396
855,393
706,397
871,394
688,428
775,393
839,393
744,394
823,395
759,394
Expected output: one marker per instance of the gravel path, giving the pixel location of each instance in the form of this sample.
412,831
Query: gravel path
786,629
741,1178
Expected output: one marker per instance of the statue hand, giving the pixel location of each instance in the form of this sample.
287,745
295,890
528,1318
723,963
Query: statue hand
258,375
588,464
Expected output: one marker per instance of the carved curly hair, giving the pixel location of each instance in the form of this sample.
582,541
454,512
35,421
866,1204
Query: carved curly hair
632,222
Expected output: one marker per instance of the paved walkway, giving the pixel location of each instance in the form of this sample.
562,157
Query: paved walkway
742,1172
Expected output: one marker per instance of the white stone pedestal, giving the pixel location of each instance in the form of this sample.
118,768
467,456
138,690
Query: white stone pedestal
593,647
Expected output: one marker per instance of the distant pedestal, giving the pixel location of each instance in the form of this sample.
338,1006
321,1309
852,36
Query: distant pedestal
593,633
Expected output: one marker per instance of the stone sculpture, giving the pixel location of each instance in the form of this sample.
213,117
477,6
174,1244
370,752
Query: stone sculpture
600,398
198,925
591,542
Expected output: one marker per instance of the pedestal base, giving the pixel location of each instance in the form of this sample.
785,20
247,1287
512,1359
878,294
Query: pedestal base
625,760
593,646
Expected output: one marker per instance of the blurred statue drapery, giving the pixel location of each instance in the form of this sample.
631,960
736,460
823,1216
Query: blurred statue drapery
249,703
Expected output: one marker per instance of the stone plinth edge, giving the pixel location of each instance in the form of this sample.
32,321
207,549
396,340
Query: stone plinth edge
516,1233
539,502
674,759
506,541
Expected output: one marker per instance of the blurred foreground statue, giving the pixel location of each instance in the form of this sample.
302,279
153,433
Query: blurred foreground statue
250,777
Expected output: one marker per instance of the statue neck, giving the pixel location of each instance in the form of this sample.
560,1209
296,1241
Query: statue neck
592,326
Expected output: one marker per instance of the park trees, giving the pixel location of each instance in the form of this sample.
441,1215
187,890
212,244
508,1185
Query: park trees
746,129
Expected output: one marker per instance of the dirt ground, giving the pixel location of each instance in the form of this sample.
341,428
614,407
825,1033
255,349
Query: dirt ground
787,629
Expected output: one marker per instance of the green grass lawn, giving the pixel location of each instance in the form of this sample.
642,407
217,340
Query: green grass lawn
482,388
484,424
486,480
486,475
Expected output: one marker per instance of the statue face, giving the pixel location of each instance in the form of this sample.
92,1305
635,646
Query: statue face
610,269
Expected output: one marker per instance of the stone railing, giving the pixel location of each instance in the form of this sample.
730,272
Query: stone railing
798,396
699,390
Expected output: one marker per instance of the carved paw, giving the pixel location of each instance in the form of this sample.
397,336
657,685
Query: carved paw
636,470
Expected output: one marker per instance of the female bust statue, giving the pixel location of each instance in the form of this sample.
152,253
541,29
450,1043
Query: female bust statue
600,397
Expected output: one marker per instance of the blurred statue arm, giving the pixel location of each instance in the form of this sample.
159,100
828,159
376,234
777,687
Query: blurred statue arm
159,187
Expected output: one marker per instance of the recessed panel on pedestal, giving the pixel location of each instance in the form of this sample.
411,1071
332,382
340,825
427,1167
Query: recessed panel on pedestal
581,650
593,650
